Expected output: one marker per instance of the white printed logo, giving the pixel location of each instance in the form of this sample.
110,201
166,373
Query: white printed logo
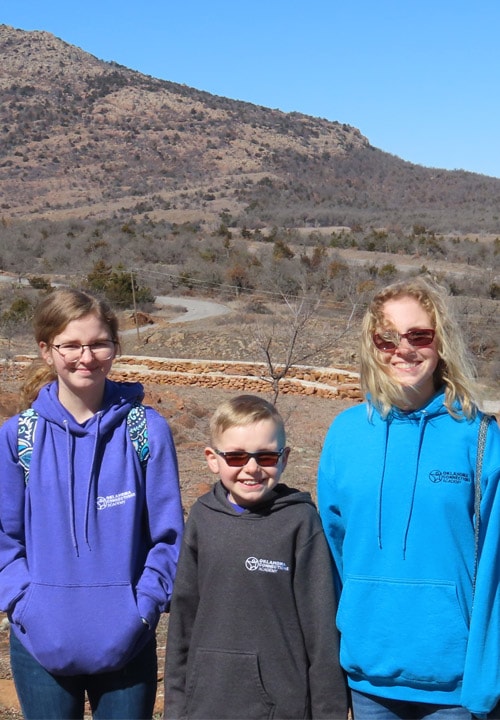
269,566
113,500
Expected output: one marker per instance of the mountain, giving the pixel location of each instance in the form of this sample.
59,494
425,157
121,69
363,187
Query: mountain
85,139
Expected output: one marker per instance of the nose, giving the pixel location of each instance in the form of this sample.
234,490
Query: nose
407,345
86,350
252,465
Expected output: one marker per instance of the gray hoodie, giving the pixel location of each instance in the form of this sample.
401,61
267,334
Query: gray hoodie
252,626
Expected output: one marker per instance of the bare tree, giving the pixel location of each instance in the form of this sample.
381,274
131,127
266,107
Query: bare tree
295,340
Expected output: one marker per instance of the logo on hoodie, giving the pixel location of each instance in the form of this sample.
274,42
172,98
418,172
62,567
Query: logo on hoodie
269,566
109,501
444,476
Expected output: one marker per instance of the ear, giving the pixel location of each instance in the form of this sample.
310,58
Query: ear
212,460
45,352
284,458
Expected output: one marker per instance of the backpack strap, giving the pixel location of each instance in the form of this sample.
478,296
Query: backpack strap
136,426
26,429
481,443
138,431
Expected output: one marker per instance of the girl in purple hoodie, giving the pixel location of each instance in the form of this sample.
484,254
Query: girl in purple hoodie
89,539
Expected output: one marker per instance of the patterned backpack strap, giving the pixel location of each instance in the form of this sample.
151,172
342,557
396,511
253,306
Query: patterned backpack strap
136,425
138,431
25,438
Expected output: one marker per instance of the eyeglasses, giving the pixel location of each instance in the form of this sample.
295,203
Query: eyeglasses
239,458
389,341
72,352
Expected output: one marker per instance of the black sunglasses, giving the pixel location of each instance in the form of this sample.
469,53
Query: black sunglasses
239,458
389,341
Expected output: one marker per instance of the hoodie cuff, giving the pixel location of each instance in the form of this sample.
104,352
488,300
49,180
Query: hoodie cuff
148,610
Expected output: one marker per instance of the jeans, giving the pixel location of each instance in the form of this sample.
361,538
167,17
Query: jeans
370,707
126,694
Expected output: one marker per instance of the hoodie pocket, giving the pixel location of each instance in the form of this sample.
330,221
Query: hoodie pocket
74,630
227,684
413,631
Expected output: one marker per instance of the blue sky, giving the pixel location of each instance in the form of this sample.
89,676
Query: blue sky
419,78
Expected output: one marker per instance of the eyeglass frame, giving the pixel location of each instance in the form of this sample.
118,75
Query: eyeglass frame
249,455
82,350
404,336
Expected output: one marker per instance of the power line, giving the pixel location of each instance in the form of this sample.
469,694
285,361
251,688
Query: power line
213,284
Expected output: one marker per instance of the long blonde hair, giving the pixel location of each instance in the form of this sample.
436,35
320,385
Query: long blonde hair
455,369
52,315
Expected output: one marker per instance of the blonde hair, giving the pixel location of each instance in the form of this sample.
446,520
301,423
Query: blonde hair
244,410
52,315
455,369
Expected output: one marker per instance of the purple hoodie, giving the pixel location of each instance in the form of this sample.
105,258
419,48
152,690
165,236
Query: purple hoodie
90,546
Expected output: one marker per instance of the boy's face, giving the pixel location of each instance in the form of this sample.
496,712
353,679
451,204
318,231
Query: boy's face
250,483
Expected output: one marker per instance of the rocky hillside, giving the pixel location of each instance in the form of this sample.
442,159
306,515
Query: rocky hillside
83,138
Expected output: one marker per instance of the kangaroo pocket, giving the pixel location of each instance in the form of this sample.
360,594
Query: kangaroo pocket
227,685
411,631
75,630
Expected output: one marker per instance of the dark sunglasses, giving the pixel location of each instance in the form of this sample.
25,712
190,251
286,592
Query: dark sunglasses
389,341
239,458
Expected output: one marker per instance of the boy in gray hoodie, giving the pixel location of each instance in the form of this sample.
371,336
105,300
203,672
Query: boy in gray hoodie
252,623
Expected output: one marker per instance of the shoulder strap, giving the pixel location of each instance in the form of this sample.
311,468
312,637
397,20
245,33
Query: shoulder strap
26,429
138,431
136,426
481,443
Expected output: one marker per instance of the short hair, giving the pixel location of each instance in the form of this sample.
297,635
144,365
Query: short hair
53,313
455,369
244,410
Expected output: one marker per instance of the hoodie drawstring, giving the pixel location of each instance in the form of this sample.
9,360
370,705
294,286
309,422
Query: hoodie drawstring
422,422
381,487
421,426
71,486
91,482
71,492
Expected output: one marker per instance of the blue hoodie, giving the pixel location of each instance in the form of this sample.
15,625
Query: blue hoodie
396,497
90,546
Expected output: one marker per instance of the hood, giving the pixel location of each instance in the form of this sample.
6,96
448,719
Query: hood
118,399
419,418
280,496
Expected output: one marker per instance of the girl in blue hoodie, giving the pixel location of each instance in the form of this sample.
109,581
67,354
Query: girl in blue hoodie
396,496
89,540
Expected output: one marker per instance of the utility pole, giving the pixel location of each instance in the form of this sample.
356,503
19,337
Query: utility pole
135,306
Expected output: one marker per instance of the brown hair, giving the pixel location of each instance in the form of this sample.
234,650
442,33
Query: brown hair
244,410
52,315
455,370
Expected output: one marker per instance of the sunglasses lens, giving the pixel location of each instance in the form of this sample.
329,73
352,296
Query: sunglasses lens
383,343
268,459
236,459
420,338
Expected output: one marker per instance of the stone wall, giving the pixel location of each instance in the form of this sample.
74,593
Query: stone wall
340,383
239,376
